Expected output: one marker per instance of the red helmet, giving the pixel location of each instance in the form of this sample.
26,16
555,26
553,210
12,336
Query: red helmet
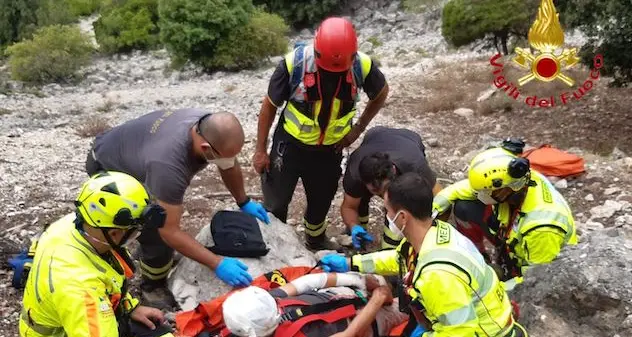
335,44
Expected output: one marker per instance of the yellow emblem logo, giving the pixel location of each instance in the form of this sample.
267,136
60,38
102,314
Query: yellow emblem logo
547,37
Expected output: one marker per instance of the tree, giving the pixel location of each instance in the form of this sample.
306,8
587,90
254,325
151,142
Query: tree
191,29
17,20
465,21
607,23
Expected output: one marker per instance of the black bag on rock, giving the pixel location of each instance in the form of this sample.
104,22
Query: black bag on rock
237,234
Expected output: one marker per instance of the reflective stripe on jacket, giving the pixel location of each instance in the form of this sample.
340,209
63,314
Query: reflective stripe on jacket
301,116
461,294
543,226
71,290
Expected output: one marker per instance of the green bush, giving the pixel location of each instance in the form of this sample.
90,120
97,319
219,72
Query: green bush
250,45
607,24
191,29
83,7
465,21
54,12
17,20
55,54
127,26
301,14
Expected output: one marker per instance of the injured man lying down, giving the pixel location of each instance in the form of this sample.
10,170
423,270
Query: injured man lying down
315,305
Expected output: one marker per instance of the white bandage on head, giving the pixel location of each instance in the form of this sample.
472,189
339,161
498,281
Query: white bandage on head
251,312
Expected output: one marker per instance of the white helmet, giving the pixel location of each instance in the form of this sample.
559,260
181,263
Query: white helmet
251,312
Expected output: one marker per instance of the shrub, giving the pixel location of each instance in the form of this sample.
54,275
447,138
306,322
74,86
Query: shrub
607,24
250,45
191,29
465,21
302,13
54,12
128,25
54,54
17,20
83,7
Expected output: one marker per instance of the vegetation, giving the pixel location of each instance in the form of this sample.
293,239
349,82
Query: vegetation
301,14
249,46
607,24
54,54
495,21
17,20
127,25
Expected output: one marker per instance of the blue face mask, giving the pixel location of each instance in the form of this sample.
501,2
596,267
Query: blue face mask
399,233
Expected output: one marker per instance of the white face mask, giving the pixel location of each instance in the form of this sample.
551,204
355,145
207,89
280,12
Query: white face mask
486,198
399,233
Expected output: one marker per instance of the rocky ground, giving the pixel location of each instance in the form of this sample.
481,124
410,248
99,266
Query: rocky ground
441,93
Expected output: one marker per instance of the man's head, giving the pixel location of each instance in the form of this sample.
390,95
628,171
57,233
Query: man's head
335,44
408,200
497,174
113,207
218,135
376,171
251,312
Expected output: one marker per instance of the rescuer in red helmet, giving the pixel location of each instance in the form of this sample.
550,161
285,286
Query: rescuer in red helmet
321,84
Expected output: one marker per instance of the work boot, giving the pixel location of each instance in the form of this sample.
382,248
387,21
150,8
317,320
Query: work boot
321,242
156,294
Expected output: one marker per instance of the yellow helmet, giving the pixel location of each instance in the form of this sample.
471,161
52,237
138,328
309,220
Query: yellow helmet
112,200
498,168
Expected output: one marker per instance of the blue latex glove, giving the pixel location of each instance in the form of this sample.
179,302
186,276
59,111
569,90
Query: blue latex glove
359,235
257,210
419,330
334,263
233,272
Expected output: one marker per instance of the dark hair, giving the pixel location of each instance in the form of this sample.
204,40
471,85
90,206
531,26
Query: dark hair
413,193
376,168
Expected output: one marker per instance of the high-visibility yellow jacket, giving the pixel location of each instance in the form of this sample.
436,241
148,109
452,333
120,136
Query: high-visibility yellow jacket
543,225
72,290
302,109
460,293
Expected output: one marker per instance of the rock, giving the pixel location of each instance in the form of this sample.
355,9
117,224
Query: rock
593,225
344,240
562,183
585,292
618,154
606,210
432,142
611,190
589,197
464,112
623,220
191,283
485,95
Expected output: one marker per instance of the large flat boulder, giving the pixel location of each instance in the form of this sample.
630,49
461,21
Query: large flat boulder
192,283
587,291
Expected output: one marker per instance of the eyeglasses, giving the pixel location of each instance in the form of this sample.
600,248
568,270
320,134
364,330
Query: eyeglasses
199,132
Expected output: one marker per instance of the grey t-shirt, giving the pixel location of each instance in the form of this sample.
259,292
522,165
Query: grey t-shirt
156,150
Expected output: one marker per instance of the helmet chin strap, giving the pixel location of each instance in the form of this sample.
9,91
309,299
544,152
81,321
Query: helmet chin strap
119,249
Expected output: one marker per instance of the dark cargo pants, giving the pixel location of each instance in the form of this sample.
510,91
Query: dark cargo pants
319,170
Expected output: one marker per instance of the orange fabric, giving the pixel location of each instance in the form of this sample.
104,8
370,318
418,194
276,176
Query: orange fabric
92,315
551,161
209,314
398,330
127,269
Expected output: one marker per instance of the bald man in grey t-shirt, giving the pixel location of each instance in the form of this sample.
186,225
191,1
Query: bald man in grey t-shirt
165,149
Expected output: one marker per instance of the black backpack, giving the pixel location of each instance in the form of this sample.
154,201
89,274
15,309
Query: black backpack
237,234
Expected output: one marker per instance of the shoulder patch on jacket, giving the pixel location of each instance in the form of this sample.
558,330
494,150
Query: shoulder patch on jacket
443,233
